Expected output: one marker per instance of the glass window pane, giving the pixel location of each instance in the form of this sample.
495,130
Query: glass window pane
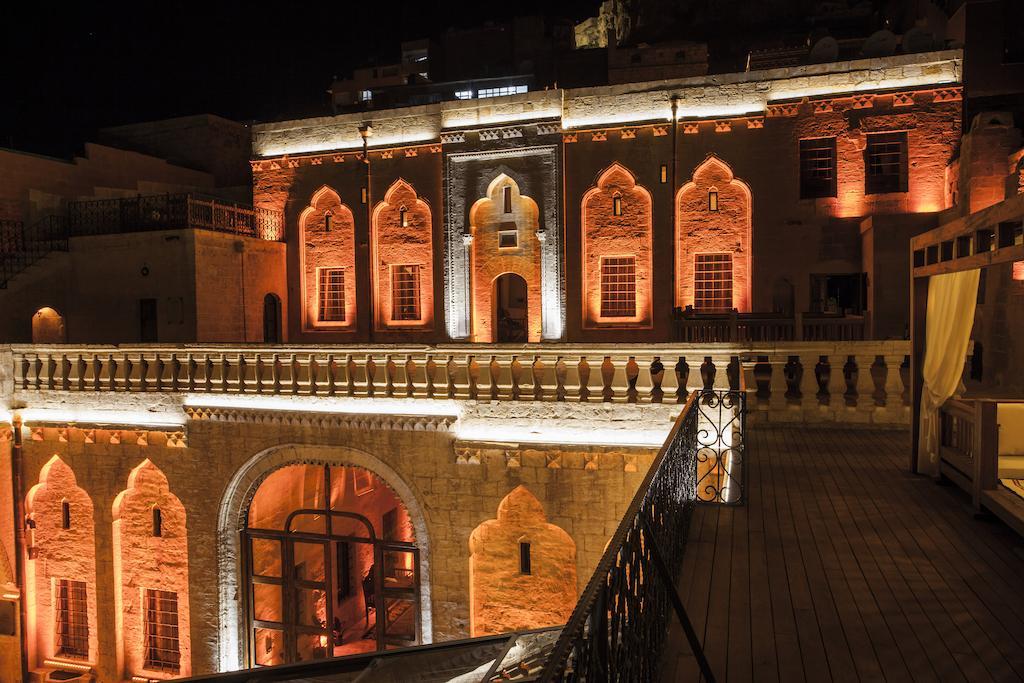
266,557
311,646
266,602
269,646
309,524
311,607
308,562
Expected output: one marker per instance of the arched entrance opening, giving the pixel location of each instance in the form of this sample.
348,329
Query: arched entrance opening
510,313
272,319
48,327
331,565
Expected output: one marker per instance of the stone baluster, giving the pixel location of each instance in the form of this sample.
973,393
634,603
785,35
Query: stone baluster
809,386
573,386
500,372
357,380
523,382
777,384
617,388
681,375
750,386
438,383
458,367
317,375
398,378
865,386
837,384
893,387
644,385
81,367
376,374
545,378
592,383
416,373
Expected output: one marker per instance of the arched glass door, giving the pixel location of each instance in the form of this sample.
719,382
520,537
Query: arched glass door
327,550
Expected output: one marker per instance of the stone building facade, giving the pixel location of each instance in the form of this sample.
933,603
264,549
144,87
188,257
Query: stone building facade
740,191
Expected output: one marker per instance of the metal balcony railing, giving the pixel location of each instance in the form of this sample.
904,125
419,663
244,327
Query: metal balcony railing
171,212
620,623
22,245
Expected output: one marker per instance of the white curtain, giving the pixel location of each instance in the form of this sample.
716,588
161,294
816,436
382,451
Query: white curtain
951,301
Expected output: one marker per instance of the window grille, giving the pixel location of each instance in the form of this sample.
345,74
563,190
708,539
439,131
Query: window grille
331,288
712,282
886,163
72,613
162,644
618,287
405,292
817,168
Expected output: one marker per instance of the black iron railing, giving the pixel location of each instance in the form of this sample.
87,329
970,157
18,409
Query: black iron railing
619,626
22,245
170,212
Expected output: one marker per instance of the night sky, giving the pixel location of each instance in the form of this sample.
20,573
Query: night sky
69,68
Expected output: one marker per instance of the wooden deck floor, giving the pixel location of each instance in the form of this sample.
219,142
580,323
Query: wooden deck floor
842,566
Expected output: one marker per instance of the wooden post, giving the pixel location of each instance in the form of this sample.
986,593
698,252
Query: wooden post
918,312
986,450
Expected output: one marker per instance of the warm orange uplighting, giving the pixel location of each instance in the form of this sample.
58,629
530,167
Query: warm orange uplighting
500,308
722,232
1018,271
328,258
616,219
403,273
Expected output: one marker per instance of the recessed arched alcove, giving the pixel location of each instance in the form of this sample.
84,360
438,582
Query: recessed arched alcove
315,542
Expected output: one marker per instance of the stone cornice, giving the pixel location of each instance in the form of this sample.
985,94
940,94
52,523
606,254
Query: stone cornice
408,423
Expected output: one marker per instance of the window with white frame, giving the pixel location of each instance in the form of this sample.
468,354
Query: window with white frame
618,287
405,292
331,294
463,94
501,91
712,282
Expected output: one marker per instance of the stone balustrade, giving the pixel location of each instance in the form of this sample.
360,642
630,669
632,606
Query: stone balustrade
786,381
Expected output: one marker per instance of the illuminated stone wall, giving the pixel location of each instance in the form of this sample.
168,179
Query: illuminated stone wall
328,241
449,487
608,234
398,244
59,553
713,218
489,260
146,558
504,597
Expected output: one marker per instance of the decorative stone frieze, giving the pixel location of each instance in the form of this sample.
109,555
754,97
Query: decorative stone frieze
452,138
822,106
948,95
569,137
757,122
863,101
629,133
783,109
598,136
691,128
660,131
723,126
418,423
548,128
903,99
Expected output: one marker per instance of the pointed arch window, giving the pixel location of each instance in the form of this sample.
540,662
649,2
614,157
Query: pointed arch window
158,522
506,194
712,200
617,204
327,221
403,217
65,514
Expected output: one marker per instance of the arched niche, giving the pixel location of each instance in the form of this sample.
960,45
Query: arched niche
48,327
151,576
234,641
328,255
503,225
512,587
617,275
713,226
403,269
61,567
